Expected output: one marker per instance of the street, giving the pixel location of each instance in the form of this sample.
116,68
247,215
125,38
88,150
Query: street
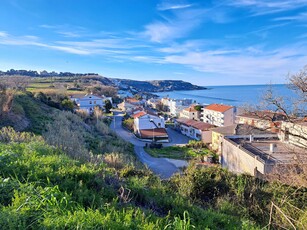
160,166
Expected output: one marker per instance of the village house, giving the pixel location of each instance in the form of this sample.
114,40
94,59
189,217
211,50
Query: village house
242,130
127,107
150,127
190,113
88,102
218,114
260,156
154,103
196,130
165,103
262,119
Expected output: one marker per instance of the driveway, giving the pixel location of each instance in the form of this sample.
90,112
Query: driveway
163,167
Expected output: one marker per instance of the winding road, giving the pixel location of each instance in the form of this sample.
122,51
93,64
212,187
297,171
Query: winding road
163,167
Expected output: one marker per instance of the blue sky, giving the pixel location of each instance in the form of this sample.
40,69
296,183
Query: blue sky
218,42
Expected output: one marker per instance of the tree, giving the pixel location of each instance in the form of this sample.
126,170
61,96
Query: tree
67,104
198,108
293,130
108,106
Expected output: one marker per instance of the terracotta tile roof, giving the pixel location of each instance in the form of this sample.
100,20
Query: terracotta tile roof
202,126
157,132
132,100
219,107
185,121
195,124
139,114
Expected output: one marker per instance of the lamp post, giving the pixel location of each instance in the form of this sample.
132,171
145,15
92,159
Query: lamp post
153,131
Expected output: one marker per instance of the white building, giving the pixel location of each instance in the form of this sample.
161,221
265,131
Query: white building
177,105
219,115
149,126
89,101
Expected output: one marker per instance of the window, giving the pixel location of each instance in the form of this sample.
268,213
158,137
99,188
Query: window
95,102
90,102
159,124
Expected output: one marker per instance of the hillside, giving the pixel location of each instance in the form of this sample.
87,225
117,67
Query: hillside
76,173
122,84
154,86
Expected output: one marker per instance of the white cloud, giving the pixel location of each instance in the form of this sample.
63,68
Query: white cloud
116,48
299,17
179,26
261,7
168,6
3,34
245,63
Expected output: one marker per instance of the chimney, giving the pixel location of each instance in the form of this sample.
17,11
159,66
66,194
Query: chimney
272,147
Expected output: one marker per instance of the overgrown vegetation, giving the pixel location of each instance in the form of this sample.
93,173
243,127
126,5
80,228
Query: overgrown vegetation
43,188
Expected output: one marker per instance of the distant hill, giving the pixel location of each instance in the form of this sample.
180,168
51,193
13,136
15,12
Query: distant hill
122,84
154,86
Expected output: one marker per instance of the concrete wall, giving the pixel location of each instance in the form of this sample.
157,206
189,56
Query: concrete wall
229,117
238,160
206,136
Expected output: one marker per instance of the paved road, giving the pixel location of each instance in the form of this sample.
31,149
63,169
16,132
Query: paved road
161,166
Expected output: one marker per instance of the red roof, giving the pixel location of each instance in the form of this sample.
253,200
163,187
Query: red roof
195,124
132,100
219,107
202,126
139,114
157,132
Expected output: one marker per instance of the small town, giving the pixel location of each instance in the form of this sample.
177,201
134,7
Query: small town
153,115
256,143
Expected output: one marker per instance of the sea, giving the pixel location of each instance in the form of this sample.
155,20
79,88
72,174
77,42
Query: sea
236,95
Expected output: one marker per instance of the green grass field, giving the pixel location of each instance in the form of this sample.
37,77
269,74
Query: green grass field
177,152
49,86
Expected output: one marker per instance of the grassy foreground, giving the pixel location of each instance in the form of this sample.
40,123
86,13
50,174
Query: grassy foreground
42,188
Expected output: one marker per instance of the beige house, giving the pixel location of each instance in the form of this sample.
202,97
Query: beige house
218,114
196,130
190,113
